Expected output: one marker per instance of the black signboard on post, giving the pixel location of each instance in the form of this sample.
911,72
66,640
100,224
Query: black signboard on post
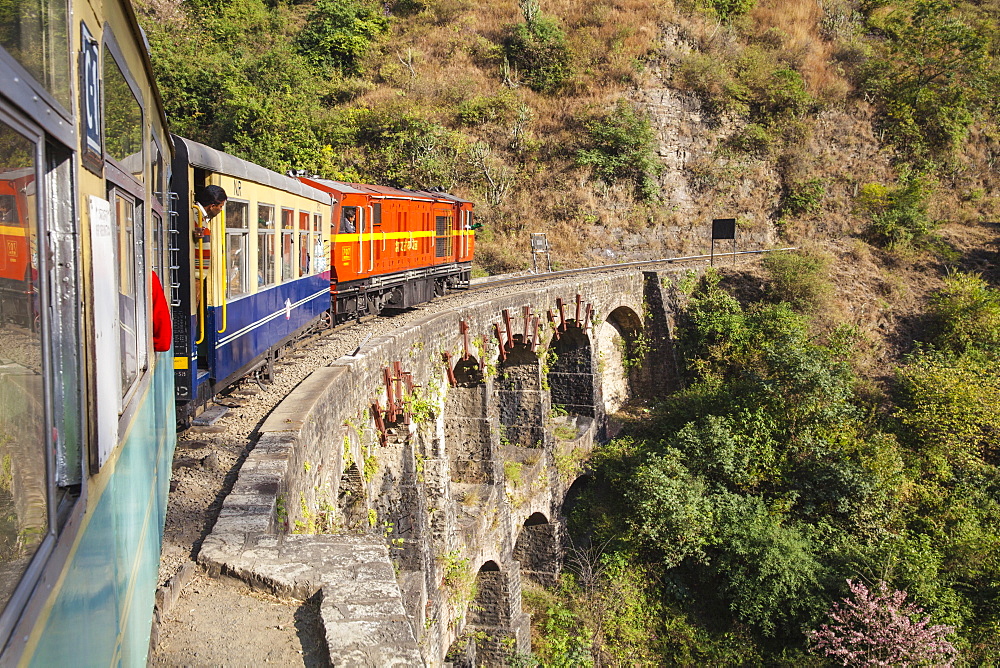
723,228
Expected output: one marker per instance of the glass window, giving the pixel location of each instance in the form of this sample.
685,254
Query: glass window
303,243
35,33
265,244
156,251
131,286
237,243
156,163
319,259
122,119
287,252
24,520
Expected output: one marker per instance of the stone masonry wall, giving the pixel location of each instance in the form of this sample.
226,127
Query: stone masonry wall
444,496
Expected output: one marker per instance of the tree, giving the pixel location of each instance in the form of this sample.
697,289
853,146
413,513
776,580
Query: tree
879,628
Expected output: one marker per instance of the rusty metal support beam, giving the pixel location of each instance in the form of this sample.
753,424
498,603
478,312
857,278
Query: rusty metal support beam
579,303
383,436
508,329
536,334
562,314
449,370
463,328
496,332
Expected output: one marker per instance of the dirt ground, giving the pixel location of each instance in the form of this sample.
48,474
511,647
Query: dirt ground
220,622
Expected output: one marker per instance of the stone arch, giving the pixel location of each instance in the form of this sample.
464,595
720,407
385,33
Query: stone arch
539,550
617,340
571,372
468,372
351,498
521,404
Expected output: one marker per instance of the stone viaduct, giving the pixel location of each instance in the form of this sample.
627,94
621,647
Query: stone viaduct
414,485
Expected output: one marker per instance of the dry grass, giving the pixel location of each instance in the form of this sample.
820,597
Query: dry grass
793,27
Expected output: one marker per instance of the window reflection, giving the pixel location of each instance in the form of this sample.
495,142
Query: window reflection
287,252
34,32
303,243
128,308
265,244
237,241
122,119
23,488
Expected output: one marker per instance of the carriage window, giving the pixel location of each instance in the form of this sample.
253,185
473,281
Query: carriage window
265,244
23,489
122,119
237,243
303,243
287,252
156,250
34,32
131,286
319,259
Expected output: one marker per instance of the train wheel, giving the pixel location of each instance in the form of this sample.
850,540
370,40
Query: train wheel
325,320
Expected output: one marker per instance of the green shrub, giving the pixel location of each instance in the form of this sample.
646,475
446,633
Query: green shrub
802,197
538,50
620,146
799,279
898,215
753,139
338,33
966,313
730,9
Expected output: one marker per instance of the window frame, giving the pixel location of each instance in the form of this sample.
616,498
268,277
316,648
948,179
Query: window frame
57,409
244,234
263,233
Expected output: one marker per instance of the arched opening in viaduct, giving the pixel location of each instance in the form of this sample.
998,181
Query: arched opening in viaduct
351,498
571,372
618,340
519,397
539,550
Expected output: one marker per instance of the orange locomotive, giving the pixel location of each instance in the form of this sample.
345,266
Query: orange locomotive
394,248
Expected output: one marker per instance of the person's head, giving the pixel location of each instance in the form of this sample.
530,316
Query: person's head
212,200
350,212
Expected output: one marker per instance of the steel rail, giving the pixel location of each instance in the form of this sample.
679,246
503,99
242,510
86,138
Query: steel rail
530,278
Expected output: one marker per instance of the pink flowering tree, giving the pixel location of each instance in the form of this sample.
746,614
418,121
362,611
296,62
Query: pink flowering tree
878,628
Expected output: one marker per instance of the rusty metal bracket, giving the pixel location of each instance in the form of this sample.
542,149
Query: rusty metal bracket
562,314
586,319
450,371
496,333
508,328
390,393
383,435
463,328
579,304
552,321
536,335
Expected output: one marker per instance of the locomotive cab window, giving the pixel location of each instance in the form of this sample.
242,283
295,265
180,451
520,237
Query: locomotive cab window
237,248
